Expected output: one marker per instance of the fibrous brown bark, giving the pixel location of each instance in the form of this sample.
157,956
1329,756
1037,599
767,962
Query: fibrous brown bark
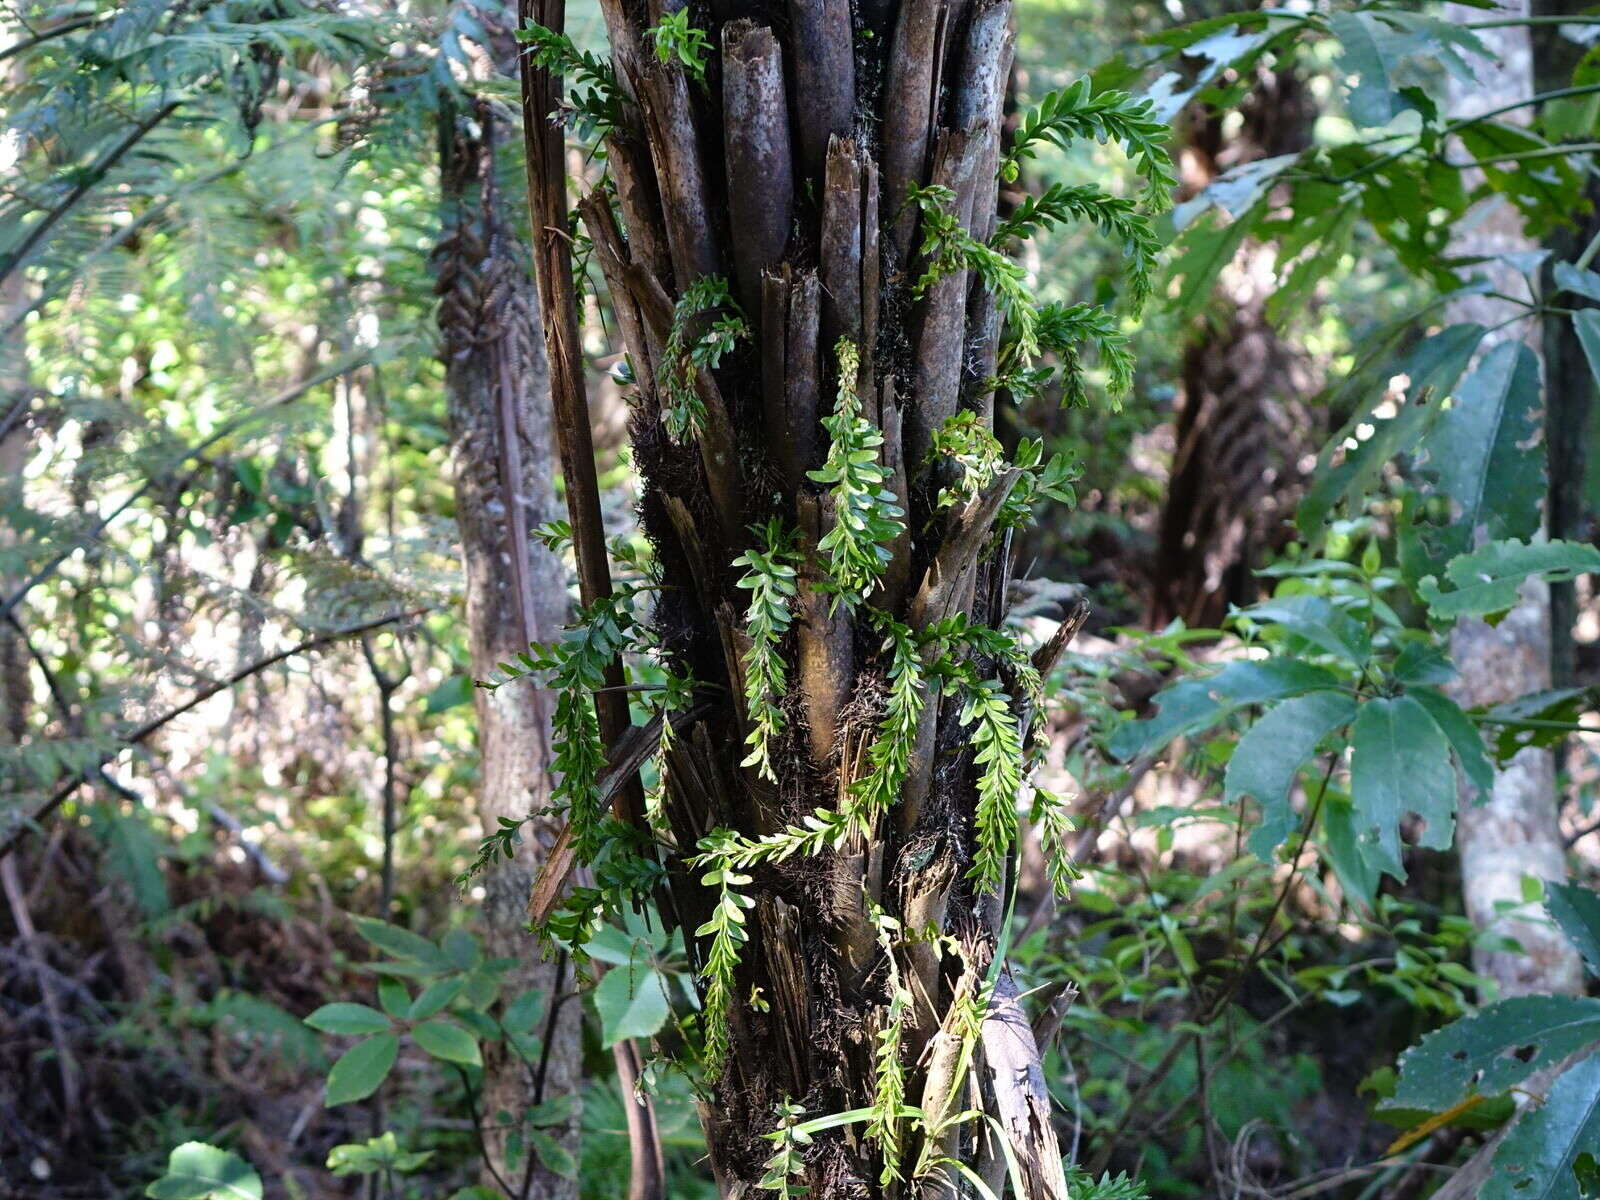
498,391
791,173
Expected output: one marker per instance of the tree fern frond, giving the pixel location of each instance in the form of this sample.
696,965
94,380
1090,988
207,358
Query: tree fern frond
1074,113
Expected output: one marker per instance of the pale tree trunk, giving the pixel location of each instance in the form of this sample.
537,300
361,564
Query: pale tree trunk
498,387
1515,832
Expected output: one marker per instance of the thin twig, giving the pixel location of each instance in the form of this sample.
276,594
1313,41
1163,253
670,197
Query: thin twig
141,732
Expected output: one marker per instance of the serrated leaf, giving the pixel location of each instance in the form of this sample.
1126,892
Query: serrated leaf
1270,754
632,1002
1486,581
448,1041
1465,740
1577,910
361,1069
1195,704
1494,1049
348,1020
1399,764
1539,1158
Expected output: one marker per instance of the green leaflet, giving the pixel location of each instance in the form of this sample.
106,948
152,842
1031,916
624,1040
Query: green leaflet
1269,756
1539,1160
1191,705
361,1069
1505,1042
1399,764
1577,910
1487,580
448,1041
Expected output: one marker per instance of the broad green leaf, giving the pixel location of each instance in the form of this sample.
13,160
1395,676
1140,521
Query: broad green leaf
1423,662
1483,454
1270,754
402,943
1576,279
454,691
1465,740
448,1041
1316,620
1539,1160
361,1069
1350,463
523,1013
1342,844
632,1002
197,1171
1369,52
435,997
1191,705
1399,764
1486,581
1577,910
1494,1049
348,1020
1586,324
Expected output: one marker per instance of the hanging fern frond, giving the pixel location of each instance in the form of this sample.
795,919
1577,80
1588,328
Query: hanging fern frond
889,756
726,929
770,580
999,760
683,410
1117,217
867,515
1074,113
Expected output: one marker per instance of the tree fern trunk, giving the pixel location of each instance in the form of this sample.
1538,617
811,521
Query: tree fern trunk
834,833
1233,469
498,390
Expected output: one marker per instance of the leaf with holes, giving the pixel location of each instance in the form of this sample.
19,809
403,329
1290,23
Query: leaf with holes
1494,1049
1486,582
1399,764
1269,756
1539,1160
1483,454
